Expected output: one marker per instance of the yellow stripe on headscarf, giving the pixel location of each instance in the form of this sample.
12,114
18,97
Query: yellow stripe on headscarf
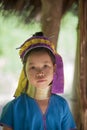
21,84
35,41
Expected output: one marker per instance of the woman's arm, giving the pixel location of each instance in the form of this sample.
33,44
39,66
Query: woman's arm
7,128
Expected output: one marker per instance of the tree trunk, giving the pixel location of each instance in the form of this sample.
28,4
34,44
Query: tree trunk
80,77
51,17
82,89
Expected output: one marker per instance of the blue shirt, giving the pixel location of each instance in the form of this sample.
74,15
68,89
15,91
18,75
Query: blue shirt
24,113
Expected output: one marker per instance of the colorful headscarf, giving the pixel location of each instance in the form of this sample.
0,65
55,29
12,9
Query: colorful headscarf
35,42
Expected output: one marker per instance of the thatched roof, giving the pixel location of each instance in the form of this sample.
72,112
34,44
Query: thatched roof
33,7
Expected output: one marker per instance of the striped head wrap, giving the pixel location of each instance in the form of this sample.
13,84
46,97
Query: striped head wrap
38,40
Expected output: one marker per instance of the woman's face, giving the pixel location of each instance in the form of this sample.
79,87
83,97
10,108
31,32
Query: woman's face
39,69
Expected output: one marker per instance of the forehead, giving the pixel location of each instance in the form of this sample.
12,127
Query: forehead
39,59
41,55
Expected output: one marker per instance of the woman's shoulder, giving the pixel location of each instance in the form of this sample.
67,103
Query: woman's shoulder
59,99
60,102
16,100
23,96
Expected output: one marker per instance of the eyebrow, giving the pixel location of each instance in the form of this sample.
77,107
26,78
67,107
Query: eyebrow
32,63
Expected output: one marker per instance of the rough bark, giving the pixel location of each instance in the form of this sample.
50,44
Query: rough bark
51,17
83,62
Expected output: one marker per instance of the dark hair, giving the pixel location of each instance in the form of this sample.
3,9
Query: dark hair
38,34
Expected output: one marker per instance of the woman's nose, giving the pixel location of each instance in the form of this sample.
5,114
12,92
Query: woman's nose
40,74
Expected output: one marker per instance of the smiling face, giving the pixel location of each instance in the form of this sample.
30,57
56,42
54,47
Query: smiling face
39,69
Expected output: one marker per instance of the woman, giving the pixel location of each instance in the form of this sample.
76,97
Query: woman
37,105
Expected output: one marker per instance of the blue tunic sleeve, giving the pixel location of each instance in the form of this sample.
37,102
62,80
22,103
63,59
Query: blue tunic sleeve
68,122
6,118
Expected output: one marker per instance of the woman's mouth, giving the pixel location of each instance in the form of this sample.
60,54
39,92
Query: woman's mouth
41,81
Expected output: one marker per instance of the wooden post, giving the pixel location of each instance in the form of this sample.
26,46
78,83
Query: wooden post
83,61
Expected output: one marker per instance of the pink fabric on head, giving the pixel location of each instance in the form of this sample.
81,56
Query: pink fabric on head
58,79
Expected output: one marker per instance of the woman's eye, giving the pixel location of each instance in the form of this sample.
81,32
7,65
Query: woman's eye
46,66
32,68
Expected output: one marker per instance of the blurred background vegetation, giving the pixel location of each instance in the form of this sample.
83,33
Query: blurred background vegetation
14,31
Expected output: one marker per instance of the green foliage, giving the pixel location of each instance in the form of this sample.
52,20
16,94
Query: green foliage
13,32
